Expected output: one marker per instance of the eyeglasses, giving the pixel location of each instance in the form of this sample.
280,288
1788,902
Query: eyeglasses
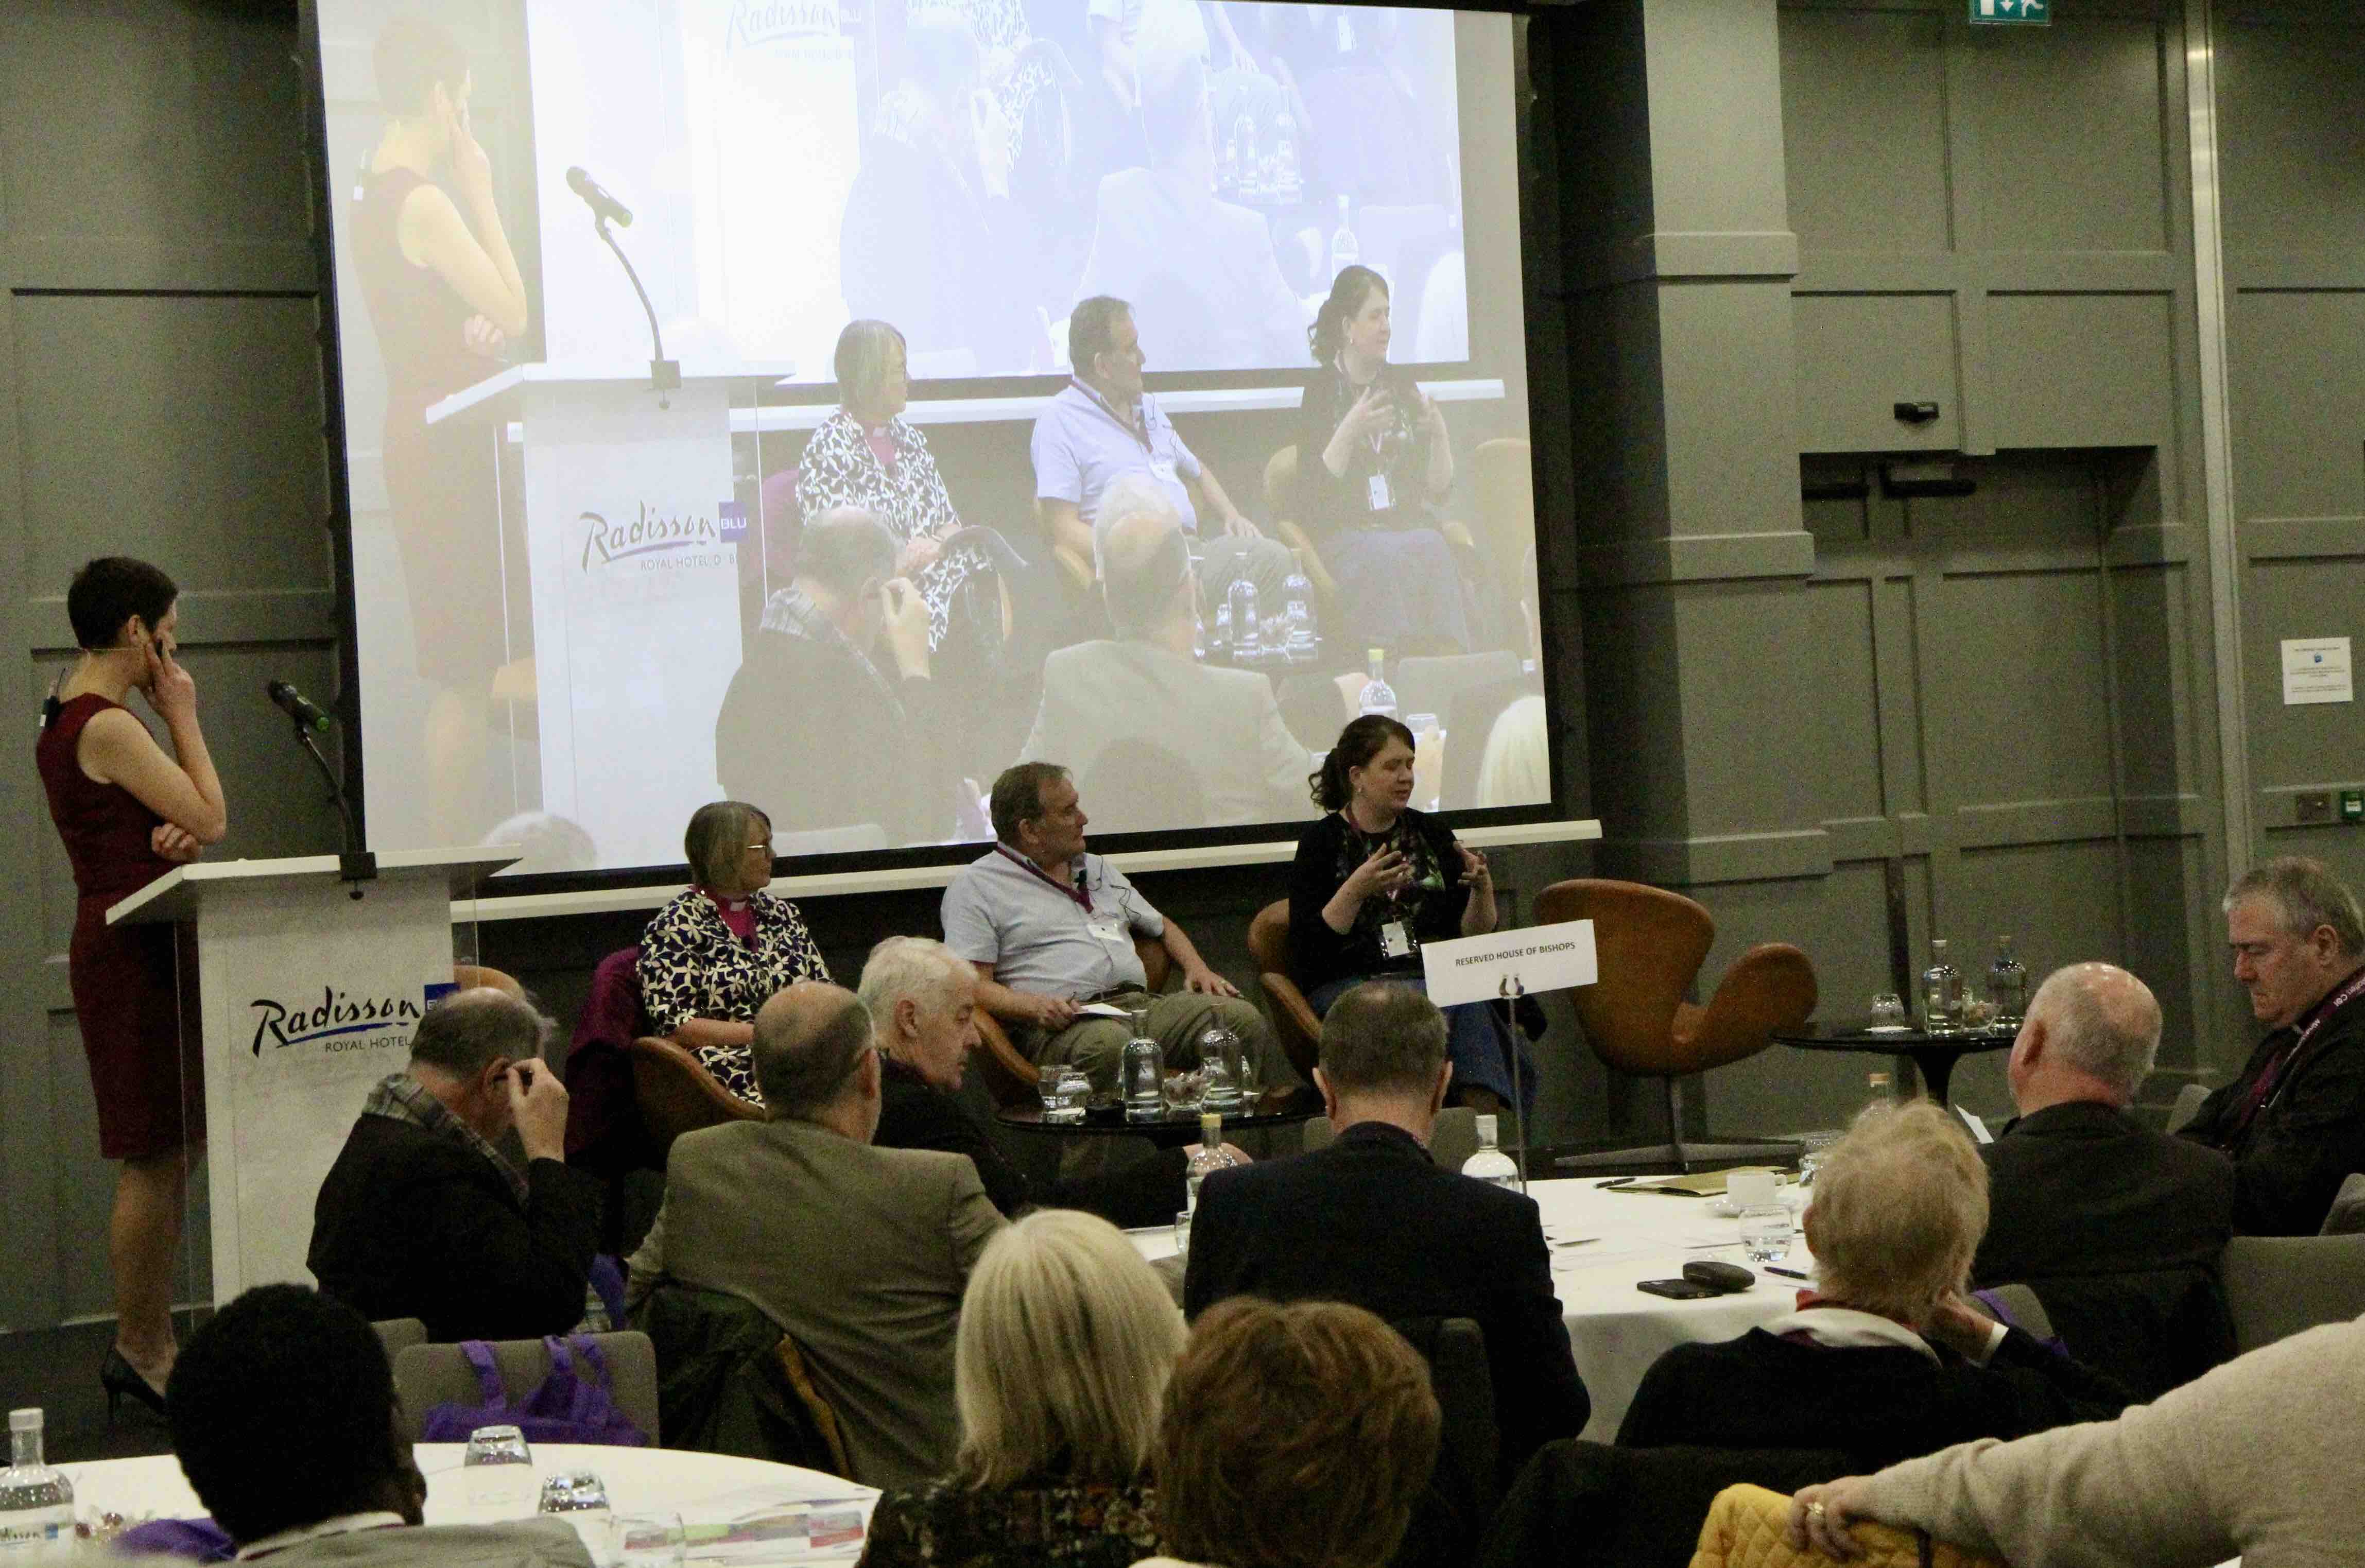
766,846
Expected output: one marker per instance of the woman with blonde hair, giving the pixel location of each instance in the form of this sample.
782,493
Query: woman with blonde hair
1885,1359
1067,1340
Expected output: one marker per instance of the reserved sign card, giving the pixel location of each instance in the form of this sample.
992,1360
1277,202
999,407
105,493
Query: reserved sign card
1504,963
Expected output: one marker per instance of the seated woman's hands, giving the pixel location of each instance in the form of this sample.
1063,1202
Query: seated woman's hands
1374,413
919,552
1820,1516
1383,872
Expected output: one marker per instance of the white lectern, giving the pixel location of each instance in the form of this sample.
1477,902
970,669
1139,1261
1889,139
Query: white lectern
309,988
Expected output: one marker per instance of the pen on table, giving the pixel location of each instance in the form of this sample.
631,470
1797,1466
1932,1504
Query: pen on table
1787,1273
1619,1182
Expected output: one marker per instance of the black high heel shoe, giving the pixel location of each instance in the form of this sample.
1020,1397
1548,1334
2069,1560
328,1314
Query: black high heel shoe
119,1378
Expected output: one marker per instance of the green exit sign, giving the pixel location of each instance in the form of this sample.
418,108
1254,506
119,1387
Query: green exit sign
2024,13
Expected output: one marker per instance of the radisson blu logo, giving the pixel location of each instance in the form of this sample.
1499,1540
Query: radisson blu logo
647,533
336,1015
756,22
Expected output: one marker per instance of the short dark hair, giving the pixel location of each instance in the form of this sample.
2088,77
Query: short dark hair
467,1032
1018,796
412,54
844,548
1349,291
1293,1436
1360,740
1382,1038
2305,894
717,838
282,1412
109,591
861,363
1091,330
801,1072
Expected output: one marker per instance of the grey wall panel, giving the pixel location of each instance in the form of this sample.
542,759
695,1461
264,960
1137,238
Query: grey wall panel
1843,758
2311,743
2068,126
2292,154
1863,128
1859,355
2016,709
2081,370
2297,368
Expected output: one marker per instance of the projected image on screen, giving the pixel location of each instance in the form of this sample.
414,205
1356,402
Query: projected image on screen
1096,381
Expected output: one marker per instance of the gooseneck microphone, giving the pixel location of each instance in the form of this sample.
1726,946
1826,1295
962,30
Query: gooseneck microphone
356,865
602,205
291,703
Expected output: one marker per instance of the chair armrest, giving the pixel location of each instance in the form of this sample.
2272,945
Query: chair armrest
676,1094
1010,1077
1076,567
1293,1023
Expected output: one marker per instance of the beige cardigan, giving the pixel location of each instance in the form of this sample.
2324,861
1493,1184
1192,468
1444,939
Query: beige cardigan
2263,1458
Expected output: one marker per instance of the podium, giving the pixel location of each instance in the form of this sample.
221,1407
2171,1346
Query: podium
308,989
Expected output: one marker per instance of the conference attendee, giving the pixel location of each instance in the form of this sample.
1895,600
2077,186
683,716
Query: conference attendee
724,947
1050,928
2246,1462
443,291
1370,1219
1103,425
283,1417
1374,460
2294,1121
1067,1340
923,1002
859,1253
813,729
1374,880
1516,768
867,456
422,1216
127,812
1883,1359
1221,730
1292,1437
2117,1226
1162,236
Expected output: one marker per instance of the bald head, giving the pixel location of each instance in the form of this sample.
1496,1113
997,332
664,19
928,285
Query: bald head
2091,1021
466,1032
810,1042
1145,569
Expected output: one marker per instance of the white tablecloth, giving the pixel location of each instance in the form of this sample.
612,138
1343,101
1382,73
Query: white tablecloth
1616,1330
703,1488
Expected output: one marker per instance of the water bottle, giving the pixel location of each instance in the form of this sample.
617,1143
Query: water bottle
1209,1155
1285,187
1240,599
1378,696
1249,186
35,1499
2007,986
1941,993
1491,1164
1344,251
1141,1078
1879,1092
1219,1069
1297,614
1220,643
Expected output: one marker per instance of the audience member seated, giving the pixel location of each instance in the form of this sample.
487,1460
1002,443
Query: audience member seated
861,1254
923,1002
2294,1121
721,949
1884,1357
1374,880
810,672
1163,224
1050,929
1516,768
1222,725
2246,1462
282,1414
1370,1220
421,1216
1103,426
1373,461
1067,1340
867,456
1293,1436
2117,1226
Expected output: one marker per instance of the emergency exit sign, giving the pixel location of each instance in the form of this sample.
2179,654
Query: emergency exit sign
2029,13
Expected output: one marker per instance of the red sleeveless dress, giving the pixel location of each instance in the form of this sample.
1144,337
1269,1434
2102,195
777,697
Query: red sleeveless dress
145,1070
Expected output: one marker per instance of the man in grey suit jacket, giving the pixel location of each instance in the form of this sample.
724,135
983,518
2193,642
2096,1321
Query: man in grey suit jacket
860,1253
1158,740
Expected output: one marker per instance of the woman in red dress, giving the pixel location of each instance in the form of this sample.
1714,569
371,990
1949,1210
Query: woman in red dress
129,812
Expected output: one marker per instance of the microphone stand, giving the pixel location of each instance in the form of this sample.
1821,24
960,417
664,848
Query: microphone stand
1512,992
665,375
354,864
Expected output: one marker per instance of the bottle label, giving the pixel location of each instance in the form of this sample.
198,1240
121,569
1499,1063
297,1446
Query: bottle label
20,1535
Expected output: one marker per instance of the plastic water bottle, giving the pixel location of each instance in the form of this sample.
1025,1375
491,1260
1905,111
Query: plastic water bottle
2007,986
1297,601
1210,1155
1240,599
1491,1164
35,1499
1141,1078
1378,696
1879,1092
1344,250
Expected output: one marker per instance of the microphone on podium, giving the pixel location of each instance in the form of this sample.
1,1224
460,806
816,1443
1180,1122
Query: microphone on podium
665,375
602,205
291,703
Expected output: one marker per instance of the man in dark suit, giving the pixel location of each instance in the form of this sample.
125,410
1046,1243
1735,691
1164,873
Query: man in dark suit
1368,1220
421,1216
2294,1121
2117,1228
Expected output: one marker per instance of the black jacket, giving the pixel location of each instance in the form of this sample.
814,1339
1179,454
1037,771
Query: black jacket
2119,1229
411,1224
1319,954
914,1115
2290,1161
1610,1507
1371,1221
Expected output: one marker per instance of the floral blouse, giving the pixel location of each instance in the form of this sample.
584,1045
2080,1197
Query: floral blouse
839,469
945,1523
693,967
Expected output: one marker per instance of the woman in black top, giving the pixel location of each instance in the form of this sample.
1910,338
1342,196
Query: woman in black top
1375,879
1374,460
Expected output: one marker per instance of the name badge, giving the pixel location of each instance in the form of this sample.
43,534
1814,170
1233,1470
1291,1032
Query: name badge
1376,491
1110,928
1164,468
1396,942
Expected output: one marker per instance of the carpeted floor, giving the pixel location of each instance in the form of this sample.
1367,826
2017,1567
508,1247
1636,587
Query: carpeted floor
57,1370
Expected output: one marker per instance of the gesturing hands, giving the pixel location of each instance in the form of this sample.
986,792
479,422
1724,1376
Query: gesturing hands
1374,412
1476,875
1386,871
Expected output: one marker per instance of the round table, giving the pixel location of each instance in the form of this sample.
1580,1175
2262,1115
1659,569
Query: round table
1934,1055
1175,1130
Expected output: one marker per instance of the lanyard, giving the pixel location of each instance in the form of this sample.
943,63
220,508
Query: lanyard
1084,899
1139,432
2271,1082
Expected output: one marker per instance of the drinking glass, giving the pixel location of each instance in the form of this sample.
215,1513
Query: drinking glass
647,1541
1766,1233
498,1469
1183,1091
1182,1233
1887,1009
580,1497
1814,1149
1075,1092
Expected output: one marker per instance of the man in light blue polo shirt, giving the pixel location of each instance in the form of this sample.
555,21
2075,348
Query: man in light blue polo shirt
1104,426
1050,928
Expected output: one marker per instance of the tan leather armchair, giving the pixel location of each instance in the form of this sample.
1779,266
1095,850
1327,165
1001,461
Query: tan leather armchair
677,1095
1293,1023
1010,1074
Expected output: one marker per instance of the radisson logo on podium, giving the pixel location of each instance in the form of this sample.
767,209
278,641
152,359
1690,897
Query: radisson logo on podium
757,22
336,1017
648,533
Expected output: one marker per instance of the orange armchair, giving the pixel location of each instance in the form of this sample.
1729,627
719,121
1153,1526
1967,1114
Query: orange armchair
677,1095
1010,1075
1651,943
1293,1023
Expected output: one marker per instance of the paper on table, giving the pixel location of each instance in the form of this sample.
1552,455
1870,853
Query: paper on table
1979,1128
782,1532
1103,1010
